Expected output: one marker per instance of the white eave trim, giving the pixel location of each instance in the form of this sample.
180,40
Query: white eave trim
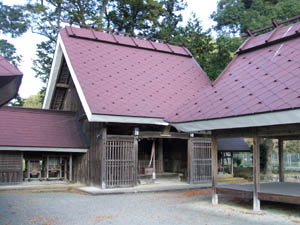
59,53
256,120
43,149
127,119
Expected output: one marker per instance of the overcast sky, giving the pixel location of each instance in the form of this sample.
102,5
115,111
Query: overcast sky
26,44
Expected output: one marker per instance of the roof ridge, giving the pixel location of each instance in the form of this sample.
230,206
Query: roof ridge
128,40
272,37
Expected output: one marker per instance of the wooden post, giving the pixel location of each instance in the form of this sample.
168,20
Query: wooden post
103,157
70,167
47,167
280,156
153,172
60,167
65,166
189,158
214,168
256,173
160,155
28,169
231,159
136,151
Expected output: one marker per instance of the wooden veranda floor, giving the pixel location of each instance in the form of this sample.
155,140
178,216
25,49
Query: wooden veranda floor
277,191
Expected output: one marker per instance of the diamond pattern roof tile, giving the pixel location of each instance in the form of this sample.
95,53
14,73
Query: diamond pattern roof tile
264,76
132,77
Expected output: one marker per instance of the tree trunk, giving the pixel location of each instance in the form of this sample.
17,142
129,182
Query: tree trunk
269,148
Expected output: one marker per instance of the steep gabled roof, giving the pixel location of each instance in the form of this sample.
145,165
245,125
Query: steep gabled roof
24,127
10,81
126,79
264,77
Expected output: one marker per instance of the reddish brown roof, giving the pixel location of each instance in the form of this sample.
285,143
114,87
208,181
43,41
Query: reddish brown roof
263,77
10,80
132,77
7,69
38,128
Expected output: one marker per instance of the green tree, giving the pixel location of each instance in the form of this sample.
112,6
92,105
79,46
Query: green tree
133,16
13,22
239,15
34,101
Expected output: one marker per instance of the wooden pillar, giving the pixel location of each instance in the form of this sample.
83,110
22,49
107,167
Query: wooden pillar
65,166
154,168
28,169
256,173
70,167
136,151
160,155
47,167
189,158
280,156
103,156
214,168
232,164
60,167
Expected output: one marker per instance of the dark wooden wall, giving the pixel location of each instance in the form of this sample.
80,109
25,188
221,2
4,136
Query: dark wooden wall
11,166
80,163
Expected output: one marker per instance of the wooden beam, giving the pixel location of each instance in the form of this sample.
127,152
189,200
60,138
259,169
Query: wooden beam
157,134
256,172
281,165
59,85
70,167
214,167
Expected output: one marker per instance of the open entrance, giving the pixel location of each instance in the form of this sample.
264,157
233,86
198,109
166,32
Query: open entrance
163,160
39,167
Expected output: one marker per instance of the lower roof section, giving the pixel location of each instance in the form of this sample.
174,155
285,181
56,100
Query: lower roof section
25,127
43,149
256,120
126,119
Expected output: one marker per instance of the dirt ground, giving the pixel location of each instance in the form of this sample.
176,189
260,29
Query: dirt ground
167,208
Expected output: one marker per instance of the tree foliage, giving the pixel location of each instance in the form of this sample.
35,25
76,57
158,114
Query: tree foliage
239,15
13,22
34,101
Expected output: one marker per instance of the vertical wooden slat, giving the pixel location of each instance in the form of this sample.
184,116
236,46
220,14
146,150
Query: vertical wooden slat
281,162
256,172
214,168
70,167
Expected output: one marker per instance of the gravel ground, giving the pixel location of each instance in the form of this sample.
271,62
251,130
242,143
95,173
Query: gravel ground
169,208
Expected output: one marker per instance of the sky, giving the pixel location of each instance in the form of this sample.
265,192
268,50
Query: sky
26,44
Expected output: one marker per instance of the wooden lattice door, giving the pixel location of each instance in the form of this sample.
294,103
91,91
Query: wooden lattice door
120,161
200,160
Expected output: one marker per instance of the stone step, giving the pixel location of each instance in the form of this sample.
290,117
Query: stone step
147,179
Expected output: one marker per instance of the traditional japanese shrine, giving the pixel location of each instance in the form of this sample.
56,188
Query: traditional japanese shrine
256,96
119,89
